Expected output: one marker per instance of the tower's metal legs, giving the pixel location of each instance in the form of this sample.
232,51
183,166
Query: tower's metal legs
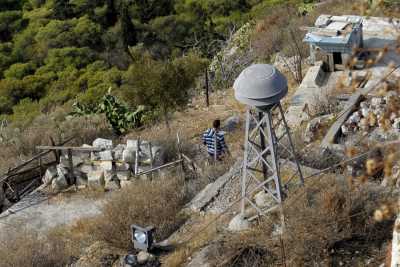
262,165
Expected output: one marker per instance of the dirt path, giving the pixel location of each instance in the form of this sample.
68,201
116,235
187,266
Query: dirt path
39,213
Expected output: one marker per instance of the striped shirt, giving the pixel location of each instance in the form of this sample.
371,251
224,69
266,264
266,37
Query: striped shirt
210,138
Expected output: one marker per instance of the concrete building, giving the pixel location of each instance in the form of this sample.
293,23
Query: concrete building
334,38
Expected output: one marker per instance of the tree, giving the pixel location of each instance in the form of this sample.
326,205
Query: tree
162,86
62,9
147,10
128,30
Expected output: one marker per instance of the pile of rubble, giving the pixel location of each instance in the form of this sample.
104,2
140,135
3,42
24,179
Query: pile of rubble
377,112
111,168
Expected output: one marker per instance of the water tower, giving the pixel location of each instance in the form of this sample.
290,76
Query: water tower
268,143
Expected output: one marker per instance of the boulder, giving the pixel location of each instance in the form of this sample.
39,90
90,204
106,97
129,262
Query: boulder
239,223
354,118
96,178
49,175
143,257
231,123
128,260
103,143
365,112
263,199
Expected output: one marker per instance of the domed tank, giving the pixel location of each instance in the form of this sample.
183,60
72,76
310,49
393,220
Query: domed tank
261,86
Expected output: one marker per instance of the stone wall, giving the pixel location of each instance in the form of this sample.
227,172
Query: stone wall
111,169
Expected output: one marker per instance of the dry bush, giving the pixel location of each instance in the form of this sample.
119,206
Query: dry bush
18,144
25,249
144,203
325,223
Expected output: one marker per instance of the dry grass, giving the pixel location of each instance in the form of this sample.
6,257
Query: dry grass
156,203
19,144
191,242
325,223
25,249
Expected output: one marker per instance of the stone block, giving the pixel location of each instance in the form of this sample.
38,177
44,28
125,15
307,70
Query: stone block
50,174
86,168
81,180
263,199
61,170
129,155
106,155
76,161
94,156
59,183
96,178
238,224
106,165
110,175
103,143
122,166
132,144
118,151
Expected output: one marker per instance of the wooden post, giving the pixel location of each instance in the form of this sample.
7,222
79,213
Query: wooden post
56,152
151,159
178,139
207,89
71,168
137,156
40,167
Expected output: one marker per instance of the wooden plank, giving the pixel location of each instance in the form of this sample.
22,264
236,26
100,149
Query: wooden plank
151,158
137,155
24,172
71,176
161,167
81,149
333,132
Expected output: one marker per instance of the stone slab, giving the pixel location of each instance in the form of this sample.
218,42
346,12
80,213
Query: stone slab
202,199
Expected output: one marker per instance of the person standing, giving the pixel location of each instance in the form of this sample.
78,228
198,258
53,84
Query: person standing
214,139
